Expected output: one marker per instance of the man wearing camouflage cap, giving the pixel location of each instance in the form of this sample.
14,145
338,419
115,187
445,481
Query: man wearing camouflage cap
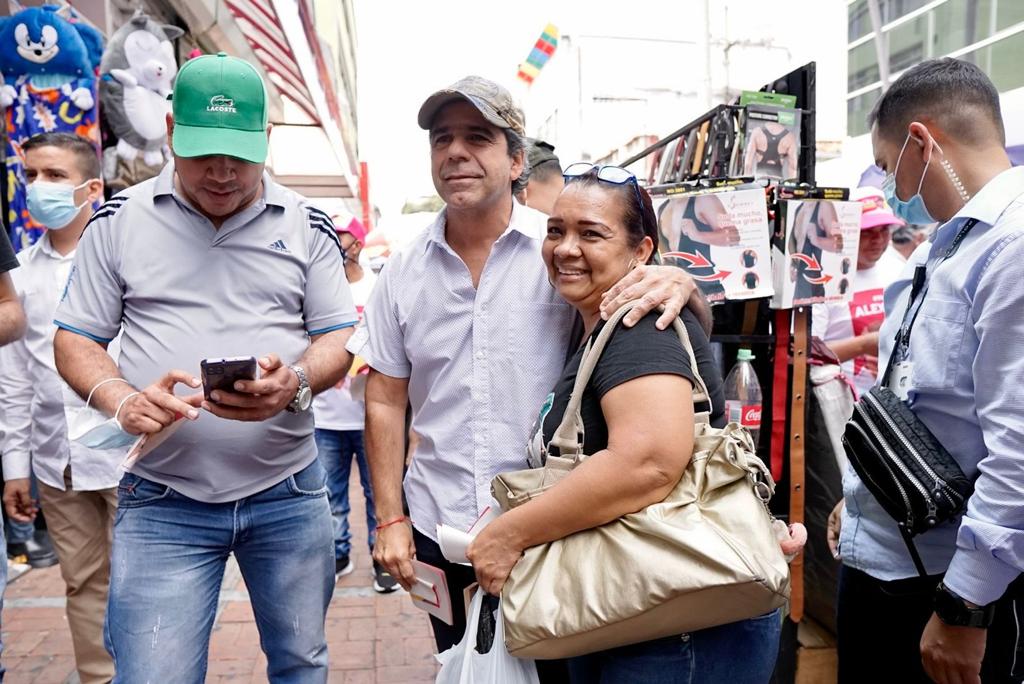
464,325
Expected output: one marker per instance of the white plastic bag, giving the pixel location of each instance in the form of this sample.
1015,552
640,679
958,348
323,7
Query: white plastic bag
461,664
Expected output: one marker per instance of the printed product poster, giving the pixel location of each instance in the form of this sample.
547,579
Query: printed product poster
722,240
815,258
772,143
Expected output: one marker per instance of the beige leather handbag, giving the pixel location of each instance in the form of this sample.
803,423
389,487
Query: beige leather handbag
704,556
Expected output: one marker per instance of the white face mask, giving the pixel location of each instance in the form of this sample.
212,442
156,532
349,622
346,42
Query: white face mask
92,429
53,204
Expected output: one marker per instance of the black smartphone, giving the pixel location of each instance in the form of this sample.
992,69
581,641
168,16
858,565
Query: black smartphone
222,374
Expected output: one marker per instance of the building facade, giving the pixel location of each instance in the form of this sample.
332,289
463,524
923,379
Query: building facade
887,37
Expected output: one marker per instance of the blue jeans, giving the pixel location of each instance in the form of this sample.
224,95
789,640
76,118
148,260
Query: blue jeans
736,653
168,563
336,450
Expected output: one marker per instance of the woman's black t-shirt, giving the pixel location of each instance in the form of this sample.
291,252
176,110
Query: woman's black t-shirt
632,353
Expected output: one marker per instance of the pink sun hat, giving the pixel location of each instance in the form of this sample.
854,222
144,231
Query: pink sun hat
351,225
874,210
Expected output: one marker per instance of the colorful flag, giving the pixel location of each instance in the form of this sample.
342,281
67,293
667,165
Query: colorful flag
540,54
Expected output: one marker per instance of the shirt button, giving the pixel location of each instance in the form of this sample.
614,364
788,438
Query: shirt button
481,354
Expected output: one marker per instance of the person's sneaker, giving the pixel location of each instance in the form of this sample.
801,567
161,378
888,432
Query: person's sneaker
39,550
343,566
383,582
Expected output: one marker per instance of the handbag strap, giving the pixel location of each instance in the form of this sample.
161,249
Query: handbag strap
920,287
567,436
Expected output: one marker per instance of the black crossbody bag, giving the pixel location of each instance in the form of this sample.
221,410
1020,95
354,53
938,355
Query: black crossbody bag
897,457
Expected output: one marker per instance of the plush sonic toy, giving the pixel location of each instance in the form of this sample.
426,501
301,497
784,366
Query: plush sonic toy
49,66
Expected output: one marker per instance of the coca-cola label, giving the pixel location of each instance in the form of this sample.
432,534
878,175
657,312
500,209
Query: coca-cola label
749,416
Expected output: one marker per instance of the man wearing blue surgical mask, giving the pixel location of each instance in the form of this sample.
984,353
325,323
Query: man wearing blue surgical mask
77,484
938,133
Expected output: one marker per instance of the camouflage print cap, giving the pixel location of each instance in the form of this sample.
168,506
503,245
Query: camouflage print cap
494,102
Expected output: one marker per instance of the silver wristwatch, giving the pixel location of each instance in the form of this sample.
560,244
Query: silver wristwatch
304,397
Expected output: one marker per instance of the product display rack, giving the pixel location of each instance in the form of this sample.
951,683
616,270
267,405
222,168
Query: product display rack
703,154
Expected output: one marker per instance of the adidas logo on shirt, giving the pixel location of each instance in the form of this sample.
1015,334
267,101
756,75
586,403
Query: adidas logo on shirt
279,246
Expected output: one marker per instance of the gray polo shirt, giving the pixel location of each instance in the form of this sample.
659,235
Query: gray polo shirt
155,269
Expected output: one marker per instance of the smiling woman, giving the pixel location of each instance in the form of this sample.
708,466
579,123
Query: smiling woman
638,417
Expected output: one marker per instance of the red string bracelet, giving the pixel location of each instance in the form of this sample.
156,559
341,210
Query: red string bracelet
392,522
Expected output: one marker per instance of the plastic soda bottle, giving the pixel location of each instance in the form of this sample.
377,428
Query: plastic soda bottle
743,394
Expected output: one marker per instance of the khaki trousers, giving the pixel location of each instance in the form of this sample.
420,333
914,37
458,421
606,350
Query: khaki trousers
81,526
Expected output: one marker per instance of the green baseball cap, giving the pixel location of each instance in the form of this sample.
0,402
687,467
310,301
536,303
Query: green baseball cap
220,107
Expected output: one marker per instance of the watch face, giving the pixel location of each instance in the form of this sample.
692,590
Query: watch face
949,609
305,398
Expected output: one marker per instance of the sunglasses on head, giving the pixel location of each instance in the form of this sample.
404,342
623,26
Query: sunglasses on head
616,175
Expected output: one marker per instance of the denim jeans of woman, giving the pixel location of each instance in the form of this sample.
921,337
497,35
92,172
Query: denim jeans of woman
337,449
741,652
168,563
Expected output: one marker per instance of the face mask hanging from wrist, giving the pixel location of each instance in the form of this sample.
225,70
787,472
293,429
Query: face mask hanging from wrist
53,204
93,430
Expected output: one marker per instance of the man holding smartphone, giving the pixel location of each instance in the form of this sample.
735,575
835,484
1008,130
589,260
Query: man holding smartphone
213,259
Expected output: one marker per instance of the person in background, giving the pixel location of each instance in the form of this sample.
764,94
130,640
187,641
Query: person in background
12,327
938,134
77,484
638,414
340,416
545,177
850,329
906,238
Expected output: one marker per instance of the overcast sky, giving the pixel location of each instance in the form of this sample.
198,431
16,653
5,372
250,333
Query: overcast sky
409,49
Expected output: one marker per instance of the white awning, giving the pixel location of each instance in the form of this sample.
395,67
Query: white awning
303,159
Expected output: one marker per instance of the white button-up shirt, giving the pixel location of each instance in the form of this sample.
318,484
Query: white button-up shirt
32,394
479,361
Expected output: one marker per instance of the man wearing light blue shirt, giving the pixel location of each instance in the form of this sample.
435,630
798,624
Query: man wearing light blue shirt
938,133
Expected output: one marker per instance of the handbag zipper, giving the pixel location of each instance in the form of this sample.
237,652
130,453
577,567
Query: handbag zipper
902,468
939,483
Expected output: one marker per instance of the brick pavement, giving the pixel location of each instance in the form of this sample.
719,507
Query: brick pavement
370,637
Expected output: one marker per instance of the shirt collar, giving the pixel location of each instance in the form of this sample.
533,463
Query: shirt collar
272,192
45,247
519,222
991,201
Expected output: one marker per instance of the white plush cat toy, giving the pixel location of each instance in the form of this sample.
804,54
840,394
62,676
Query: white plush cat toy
137,71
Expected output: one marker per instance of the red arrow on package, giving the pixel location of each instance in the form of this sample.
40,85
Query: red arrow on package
812,262
721,275
696,260
818,281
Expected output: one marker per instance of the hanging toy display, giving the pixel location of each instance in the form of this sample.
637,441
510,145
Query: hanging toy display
49,62
137,73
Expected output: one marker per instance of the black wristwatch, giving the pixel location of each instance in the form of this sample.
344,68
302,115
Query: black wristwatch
953,610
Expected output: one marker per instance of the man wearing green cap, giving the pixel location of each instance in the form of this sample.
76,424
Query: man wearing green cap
212,259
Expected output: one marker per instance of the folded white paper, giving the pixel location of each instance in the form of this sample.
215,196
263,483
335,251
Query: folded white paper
454,542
